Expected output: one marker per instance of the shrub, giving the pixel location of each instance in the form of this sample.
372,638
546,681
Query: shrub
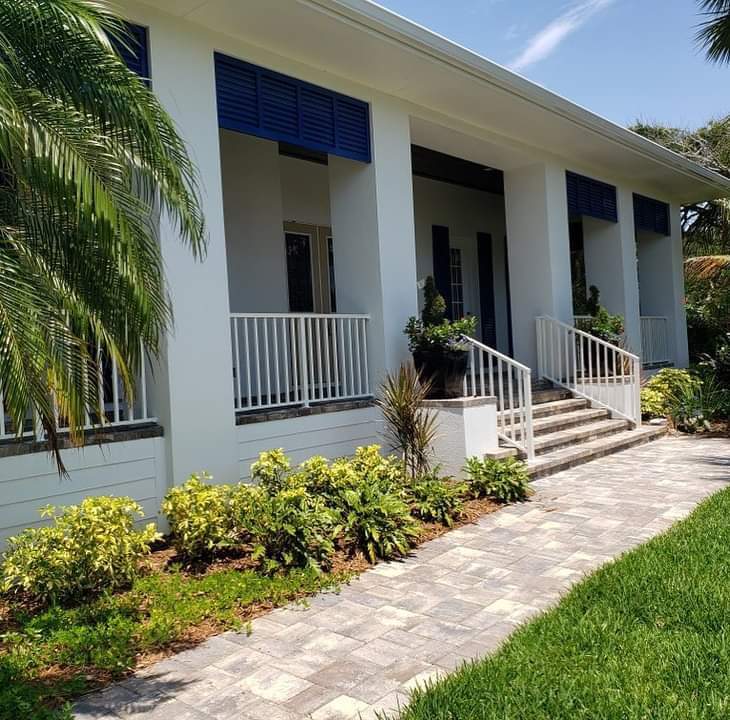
659,393
271,470
88,548
410,427
502,480
199,517
433,330
292,529
378,523
694,406
434,499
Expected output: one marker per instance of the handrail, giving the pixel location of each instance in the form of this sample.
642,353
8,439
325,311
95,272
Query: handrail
606,374
511,383
311,315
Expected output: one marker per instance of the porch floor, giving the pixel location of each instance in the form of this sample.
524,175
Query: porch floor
458,597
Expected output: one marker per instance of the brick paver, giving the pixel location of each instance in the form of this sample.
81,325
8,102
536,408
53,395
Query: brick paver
403,623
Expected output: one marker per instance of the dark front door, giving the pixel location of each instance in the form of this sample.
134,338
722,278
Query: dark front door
442,264
299,272
486,290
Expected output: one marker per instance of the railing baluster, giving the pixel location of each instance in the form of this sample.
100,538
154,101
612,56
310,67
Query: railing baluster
237,364
115,388
318,341
327,370
257,359
358,362
294,355
350,359
366,369
249,395
277,378
336,358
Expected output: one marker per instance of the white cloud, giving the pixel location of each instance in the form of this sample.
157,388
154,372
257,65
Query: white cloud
555,32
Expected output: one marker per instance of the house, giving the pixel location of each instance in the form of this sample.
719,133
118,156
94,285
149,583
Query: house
345,154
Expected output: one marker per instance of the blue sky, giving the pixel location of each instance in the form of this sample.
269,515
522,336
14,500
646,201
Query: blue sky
623,59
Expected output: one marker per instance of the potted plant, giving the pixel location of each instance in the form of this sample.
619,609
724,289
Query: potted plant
439,350
604,326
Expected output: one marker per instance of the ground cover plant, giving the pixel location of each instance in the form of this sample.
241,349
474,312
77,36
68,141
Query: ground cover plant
644,637
234,552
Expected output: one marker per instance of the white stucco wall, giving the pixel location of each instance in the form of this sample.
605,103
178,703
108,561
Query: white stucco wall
133,469
330,434
465,212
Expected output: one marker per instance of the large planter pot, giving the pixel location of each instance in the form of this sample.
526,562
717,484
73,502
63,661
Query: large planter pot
445,370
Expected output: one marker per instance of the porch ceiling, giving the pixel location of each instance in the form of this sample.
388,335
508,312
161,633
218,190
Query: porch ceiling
370,45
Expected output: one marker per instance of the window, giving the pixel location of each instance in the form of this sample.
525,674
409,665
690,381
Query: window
457,284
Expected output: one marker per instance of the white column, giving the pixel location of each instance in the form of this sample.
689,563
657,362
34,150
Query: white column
611,265
374,236
538,245
661,278
193,388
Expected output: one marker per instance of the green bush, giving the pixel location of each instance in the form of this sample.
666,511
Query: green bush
434,499
88,548
694,406
199,516
659,393
502,480
292,529
378,523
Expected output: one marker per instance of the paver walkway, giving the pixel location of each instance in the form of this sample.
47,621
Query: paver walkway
457,597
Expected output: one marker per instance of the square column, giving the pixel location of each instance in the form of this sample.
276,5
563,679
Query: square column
611,265
538,247
661,278
374,237
193,385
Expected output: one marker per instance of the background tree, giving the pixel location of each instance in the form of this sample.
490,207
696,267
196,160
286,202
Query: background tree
88,160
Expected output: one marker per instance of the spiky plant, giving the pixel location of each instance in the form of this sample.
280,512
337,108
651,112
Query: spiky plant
88,161
409,427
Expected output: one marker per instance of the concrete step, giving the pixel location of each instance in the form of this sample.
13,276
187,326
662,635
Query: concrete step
575,455
553,407
580,434
564,421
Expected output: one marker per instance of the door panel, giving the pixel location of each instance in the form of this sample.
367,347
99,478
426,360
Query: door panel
486,290
299,271
442,264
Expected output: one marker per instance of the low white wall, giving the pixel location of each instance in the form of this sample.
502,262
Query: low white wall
135,468
333,435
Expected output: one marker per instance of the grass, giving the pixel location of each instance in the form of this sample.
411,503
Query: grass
646,637
49,657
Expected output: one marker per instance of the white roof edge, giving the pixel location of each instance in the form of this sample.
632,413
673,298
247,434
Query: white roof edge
379,19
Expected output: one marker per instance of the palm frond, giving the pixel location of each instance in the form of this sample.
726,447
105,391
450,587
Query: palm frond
714,32
706,267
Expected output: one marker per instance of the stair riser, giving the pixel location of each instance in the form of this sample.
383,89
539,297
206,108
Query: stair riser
579,438
536,473
557,423
540,411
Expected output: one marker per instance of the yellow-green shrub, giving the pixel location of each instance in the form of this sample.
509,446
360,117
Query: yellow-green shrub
199,517
88,548
660,393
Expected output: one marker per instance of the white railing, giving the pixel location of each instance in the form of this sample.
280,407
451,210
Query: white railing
284,359
655,340
490,373
605,374
117,409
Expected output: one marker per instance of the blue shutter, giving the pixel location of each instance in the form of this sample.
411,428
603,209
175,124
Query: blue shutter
442,264
651,215
260,102
136,56
591,197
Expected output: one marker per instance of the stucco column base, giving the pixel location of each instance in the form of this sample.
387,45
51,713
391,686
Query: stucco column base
466,427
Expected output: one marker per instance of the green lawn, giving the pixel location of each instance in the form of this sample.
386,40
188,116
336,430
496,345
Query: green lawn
48,657
645,637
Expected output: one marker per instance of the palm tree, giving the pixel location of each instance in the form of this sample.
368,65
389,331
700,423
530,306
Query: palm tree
714,33
88,161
